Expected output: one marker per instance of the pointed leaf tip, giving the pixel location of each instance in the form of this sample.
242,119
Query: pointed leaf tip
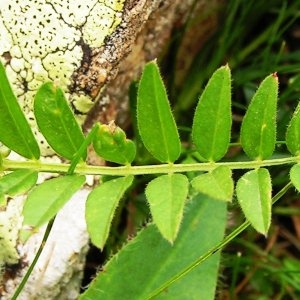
258,131
15,132
156,123
57,122
212,119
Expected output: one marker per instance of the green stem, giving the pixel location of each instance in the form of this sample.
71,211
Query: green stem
213,250
83,148
142,170
32,265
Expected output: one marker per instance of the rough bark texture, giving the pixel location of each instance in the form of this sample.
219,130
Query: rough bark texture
149,41
142,35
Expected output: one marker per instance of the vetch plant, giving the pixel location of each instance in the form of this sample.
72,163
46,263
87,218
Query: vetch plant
177,254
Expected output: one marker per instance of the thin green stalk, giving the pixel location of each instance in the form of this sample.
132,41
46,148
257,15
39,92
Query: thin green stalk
31,267
287,211
142,170
87,141
213,250
70,171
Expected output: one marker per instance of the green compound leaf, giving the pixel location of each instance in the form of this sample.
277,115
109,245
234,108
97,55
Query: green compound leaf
254,193
295,176
293,133
101,205
56,121
148,261
154,117
15,132
258,131
217,184
18,182
212,119
166,195
45,200
111,144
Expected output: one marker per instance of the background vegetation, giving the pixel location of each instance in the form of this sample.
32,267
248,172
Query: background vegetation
256,38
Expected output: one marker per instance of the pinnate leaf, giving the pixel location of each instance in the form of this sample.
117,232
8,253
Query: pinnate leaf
254,195
111,144
217,184
166,195
15,132
293,133
46,199
156,123
56,121
258,131
212,119
101,205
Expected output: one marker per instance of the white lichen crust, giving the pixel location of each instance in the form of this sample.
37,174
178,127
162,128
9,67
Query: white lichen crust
10,224
58,273
43,40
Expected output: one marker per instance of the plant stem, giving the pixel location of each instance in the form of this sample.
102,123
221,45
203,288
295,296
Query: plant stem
142,170
38,254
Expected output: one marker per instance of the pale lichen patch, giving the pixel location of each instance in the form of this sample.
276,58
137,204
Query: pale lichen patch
58,68
74,12
82,103
43,40
10,224
95,20
6,39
